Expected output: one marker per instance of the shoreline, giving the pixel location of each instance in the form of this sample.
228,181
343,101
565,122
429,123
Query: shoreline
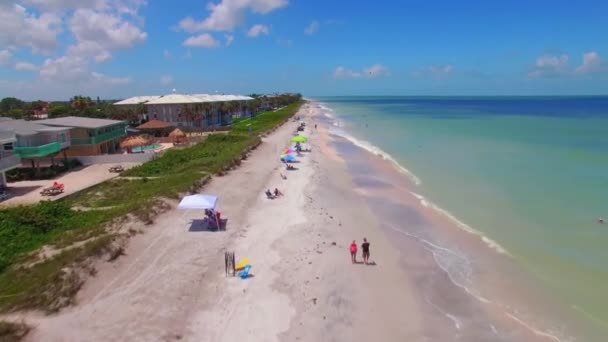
520,303
170,285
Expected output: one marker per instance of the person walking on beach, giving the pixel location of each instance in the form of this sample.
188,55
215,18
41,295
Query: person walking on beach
365,248
353,252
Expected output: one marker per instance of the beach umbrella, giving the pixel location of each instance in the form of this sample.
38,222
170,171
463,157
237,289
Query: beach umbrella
288,151
199,201
288,157
299,138
177,133
134,141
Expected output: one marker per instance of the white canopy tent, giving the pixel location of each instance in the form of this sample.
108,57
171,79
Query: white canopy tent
200,201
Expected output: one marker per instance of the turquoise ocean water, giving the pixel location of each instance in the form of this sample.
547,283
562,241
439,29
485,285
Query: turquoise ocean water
530,173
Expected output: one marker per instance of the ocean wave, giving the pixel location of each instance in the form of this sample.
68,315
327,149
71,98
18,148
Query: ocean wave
489,242
454,273
324,107
366,145
456,265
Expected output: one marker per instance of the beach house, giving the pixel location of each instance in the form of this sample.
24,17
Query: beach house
90,136
8,159
34,141
196,110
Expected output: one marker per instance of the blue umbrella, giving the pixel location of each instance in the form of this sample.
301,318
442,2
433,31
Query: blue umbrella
288,157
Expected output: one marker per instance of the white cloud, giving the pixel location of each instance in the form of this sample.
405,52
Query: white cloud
97,33
128,7
101,78
258,29
229,39
227,14
25,66
64,69
203,40
22,29
75,69
61,5
312,28
342,72
373,71
549,66
5,57
376,70
108,30
592,62
166,79
437,71
167,54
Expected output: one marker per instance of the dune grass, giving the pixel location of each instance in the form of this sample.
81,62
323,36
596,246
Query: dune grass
12,332
48,284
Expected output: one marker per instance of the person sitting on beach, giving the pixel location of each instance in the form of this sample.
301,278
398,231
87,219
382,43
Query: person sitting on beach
365,248
277,193
353,252
269,194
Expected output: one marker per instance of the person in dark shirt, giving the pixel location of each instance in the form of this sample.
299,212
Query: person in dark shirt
365,249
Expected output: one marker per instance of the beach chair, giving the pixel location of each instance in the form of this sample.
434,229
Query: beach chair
116,168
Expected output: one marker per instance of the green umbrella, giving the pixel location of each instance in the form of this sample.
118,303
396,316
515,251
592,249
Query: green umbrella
299,138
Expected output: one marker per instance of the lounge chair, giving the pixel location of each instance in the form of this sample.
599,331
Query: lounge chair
116,168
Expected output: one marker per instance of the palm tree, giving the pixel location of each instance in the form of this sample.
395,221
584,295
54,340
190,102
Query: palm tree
80,102
141,111
187,113
206,110
197,115
225,109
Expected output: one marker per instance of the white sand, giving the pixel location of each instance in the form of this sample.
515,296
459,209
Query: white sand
171,284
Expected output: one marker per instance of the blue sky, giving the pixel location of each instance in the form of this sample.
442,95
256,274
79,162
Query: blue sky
53,49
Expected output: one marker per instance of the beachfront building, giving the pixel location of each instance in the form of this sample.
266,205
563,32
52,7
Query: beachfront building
196,110
90,136
33,140
8,159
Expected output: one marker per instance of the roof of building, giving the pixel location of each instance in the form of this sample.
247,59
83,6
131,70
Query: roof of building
22,127
174,98
78,121
154,124
182,99
7,137
136,100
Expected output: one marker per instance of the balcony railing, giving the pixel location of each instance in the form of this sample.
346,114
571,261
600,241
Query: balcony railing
9,162
99,138
37,151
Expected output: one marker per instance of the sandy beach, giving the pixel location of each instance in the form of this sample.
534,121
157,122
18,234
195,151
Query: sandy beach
171,284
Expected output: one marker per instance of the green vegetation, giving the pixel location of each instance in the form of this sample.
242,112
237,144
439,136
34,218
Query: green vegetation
266,120
31,281
12,332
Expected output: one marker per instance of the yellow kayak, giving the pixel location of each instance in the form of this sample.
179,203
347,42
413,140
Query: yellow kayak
241,264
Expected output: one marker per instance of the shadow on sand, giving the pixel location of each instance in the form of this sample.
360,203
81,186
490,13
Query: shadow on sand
202,225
